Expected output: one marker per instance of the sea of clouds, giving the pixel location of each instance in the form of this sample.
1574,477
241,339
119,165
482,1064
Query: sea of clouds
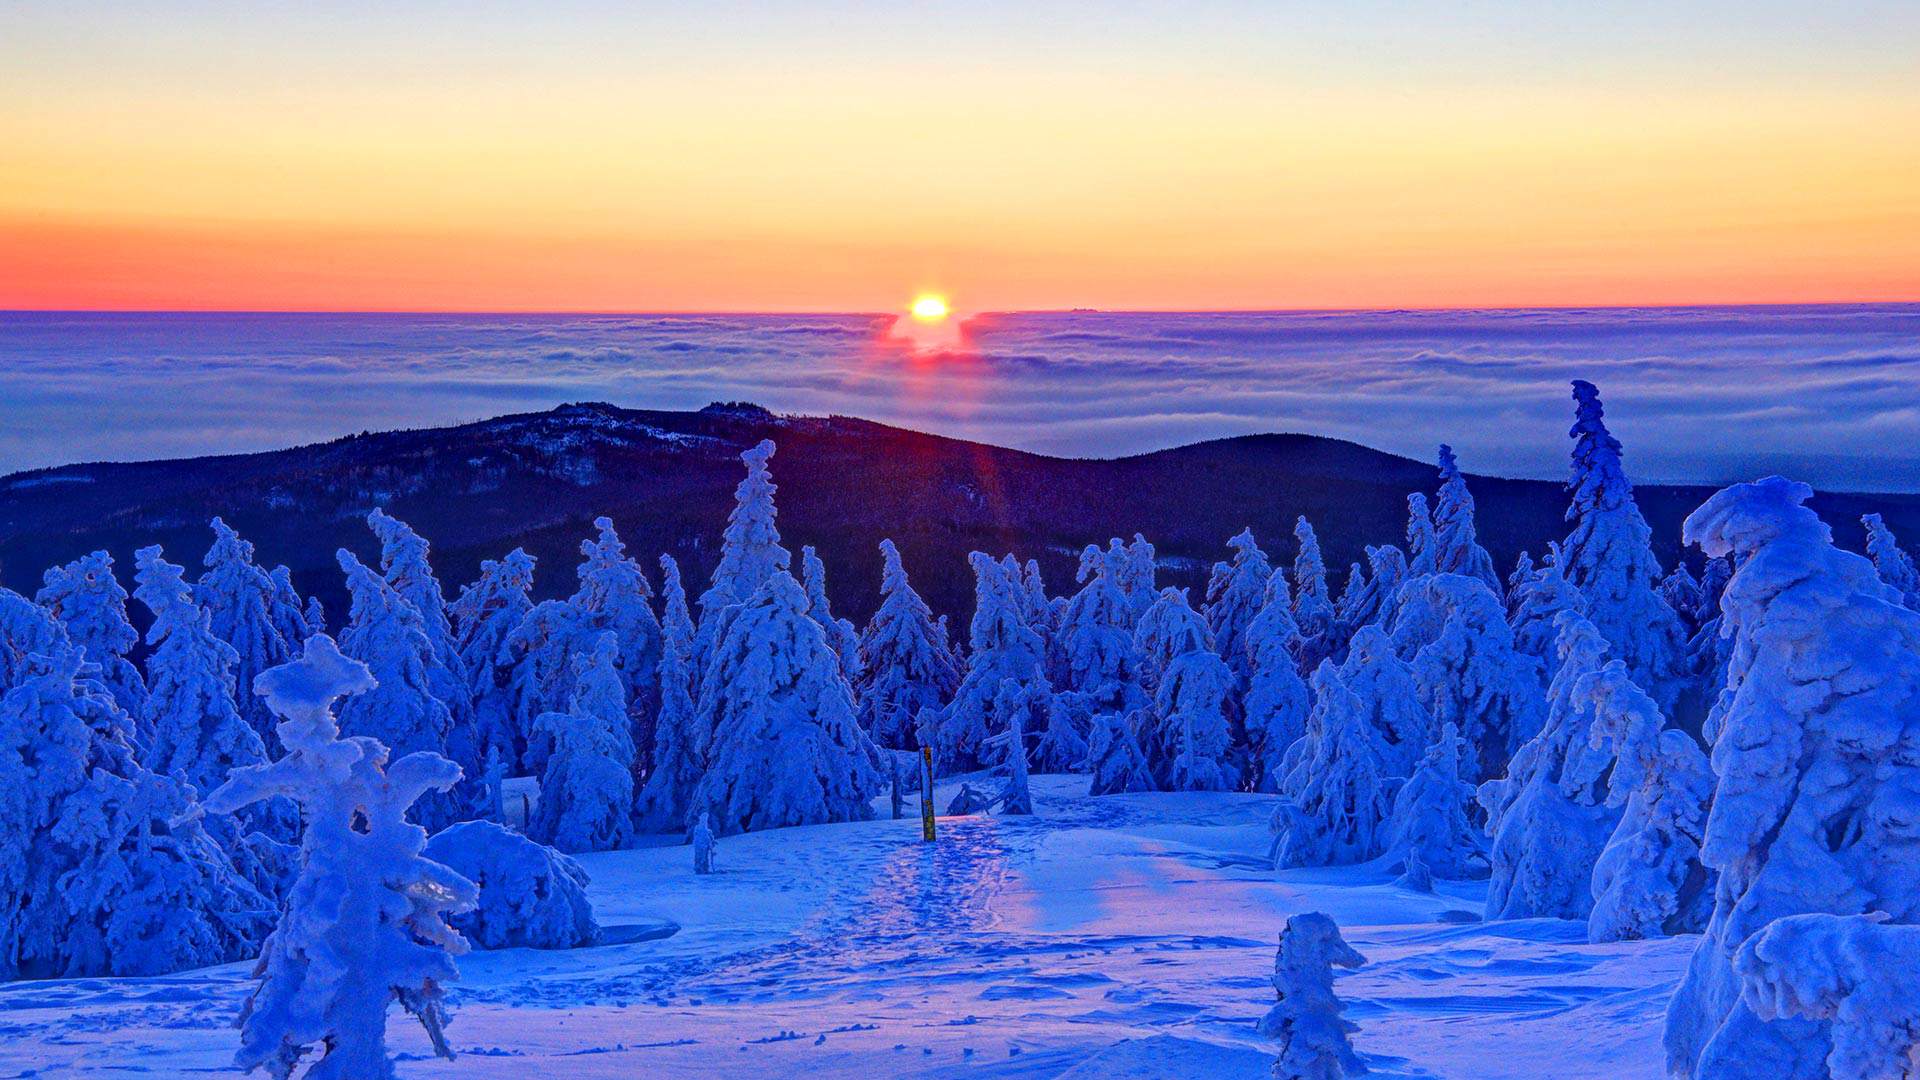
1830,394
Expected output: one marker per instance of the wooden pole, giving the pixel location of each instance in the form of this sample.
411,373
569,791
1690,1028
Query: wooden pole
926,794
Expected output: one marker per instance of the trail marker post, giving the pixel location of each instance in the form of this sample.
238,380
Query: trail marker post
926,794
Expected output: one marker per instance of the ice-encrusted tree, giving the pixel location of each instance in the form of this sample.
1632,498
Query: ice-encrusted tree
1457,548
1422,547
1192,723
1681,591
1005,649
1817,756
1236,592
313,619
296,617
1894,565
750,551
1389,699
906,663
484,618
384,632
241,601
1114,758
1275,706
1312,604
841,636
1854,973
1371,602
787,748
365,924
1337,782
1010,747
1314,1039
537,671
27,630
1093,652
614,598
91,604
1471,675
1431,822
1609,558
404,563
1138,582
1522,573
586,789
1548,816
679,744
1536,611
531,896
1165,630
1649,880
701,839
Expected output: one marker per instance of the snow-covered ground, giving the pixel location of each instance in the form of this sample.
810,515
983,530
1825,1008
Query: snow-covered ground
1125,936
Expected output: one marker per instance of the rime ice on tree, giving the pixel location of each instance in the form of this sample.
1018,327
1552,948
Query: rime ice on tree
1005,650
905,662
89,601
586,790
1276,701
1389,699
750,551
679,743
241,601
1236,592
403,561
1430,823
1457,550
531,896
1093,653
1470,674
1314,1043
614,598
484,619
1337,782
1894,565
365,924
1114,758
1855,973
841,636
1312,604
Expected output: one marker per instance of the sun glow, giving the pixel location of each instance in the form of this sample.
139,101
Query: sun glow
930,307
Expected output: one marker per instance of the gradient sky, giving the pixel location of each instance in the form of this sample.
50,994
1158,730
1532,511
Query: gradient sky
845,155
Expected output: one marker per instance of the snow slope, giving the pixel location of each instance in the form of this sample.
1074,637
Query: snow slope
1126,936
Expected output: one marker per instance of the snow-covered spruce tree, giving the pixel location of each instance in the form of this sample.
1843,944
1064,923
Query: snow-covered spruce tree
365,924
1370,601
1431,823
484,618
586,790
1681,591
314,618
1894,565
294,616
384,633
1191,717
1471,676
1536,611
1114,758
1855,973
1312,604
1165,630
1649,880
679,744
1548,816
614,598
1005,649
1338,783
1422,547
1314,1042
1236,592
841,636
89,601
1093,654
531,896
1138,581
27,630
1275,706
1818,760
1522,573
239,599
906,663
1457,548
537,669
750,551
104,868
403,560
787,748
1609,558
1389,699
1010,747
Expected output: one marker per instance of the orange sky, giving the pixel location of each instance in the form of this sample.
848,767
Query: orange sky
1129,174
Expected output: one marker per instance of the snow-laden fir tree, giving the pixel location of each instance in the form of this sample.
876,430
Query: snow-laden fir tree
27,630
89,601
841,636
1141,569
1010,747
1314,1039
1312,603
295,617
240,601
1192,719
750,551
403,561
1649,880
1894,565
1276,704
1522,573
1005,650
614,598
384,632
1855,973
484,618
1338,783
1236,592
1389,699
1536,611
1431,822
1093,652
365,923
536,665
1165,631
586,789
680,743
313,619
531,896
1114,758
1549,816
906,663
1681,591
1422,547
1457,548
1817,756
787,748
1609,558
1471,675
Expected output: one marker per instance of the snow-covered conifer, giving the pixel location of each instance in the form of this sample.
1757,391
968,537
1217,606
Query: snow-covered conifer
1522,573
1649,880
1894,565
1853,972
241,601
1457,549
365,923
1430,825
1472,676
1681,591
27,630
1235,594
293,616
1817,757
531,896
1138,581
1005,649
586,789
905,662
89,601
841,636
701,838
1609,558
787,748
614,598
1422,547
1389,699
1167,629
403,561
1275,710
1337,783
484,618
1191,709
536,669
1312,604
1314,1043
1536,611
679,743
1093,652
1114,758
750,551
1011,748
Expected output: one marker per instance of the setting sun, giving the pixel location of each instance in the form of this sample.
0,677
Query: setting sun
929,307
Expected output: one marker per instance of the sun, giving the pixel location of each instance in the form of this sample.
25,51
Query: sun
930,307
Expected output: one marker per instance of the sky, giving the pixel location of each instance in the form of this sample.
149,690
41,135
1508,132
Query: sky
1010,154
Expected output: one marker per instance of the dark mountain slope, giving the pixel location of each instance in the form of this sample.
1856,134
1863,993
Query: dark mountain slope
666,479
